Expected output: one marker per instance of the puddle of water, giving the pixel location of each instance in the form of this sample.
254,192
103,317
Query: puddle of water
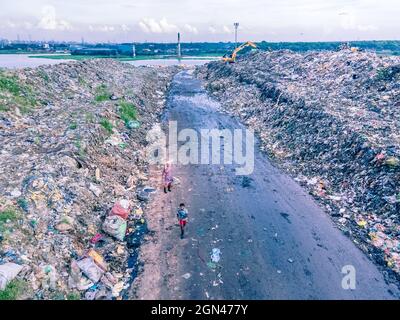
134,241
199,100
16,61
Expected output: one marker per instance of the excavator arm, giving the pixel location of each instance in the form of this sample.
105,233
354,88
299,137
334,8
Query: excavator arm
232,57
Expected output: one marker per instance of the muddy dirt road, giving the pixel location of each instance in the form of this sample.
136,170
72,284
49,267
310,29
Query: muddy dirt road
275,241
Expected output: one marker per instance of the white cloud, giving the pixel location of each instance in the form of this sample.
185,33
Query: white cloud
27,25
219,30
350,21
167,27
125,28
285,20
225,29
11,24
191,29
369,27
150,25
102,28
14,25
49,20
212,30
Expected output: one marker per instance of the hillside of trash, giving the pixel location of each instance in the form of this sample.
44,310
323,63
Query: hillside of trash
331,119
73,176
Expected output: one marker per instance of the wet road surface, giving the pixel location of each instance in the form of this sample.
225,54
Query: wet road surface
275,242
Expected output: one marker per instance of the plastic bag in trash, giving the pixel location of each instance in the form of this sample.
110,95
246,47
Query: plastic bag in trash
115,226
215,256
98,259
119,210
8,272
90,269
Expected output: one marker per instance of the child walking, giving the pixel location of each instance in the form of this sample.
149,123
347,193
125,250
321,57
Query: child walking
182,215
167,177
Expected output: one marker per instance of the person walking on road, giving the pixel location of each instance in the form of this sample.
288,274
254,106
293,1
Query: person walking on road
167,177
182,215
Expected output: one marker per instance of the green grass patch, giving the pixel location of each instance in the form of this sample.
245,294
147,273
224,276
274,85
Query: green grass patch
37,140
73,296
89,117
107,125
102,93
82,81
9,214
13,93
23,204
3,108
7,219
81,150
44,75
10,84
13,290
127,112
73,125
388,74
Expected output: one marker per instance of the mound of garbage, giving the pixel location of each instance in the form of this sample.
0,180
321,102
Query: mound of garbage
71,164
332,120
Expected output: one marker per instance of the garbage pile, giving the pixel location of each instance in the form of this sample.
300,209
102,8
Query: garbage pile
332,120
71,163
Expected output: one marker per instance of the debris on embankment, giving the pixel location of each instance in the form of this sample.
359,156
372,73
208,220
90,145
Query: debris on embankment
332,120
71,162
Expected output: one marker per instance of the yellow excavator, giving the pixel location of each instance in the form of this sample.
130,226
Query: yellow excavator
232,58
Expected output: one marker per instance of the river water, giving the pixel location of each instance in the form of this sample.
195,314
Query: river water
15,61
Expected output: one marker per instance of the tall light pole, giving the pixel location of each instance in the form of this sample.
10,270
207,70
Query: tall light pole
179,46
236,25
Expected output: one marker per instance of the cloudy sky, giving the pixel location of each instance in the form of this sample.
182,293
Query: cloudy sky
200,20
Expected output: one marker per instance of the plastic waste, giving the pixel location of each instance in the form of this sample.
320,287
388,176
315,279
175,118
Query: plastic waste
8,272
115,226
215,255
120,209
90,269
98,259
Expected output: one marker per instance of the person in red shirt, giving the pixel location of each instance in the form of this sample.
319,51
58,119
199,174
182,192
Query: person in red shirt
182,215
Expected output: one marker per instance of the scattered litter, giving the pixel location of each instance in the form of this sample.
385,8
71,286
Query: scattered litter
186,276
70,164
215,255
331,120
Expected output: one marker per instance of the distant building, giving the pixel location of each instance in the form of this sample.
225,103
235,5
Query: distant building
124,49
82,51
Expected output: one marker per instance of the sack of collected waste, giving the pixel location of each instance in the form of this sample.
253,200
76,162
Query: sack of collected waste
121,208
115,226
90,269
8,272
